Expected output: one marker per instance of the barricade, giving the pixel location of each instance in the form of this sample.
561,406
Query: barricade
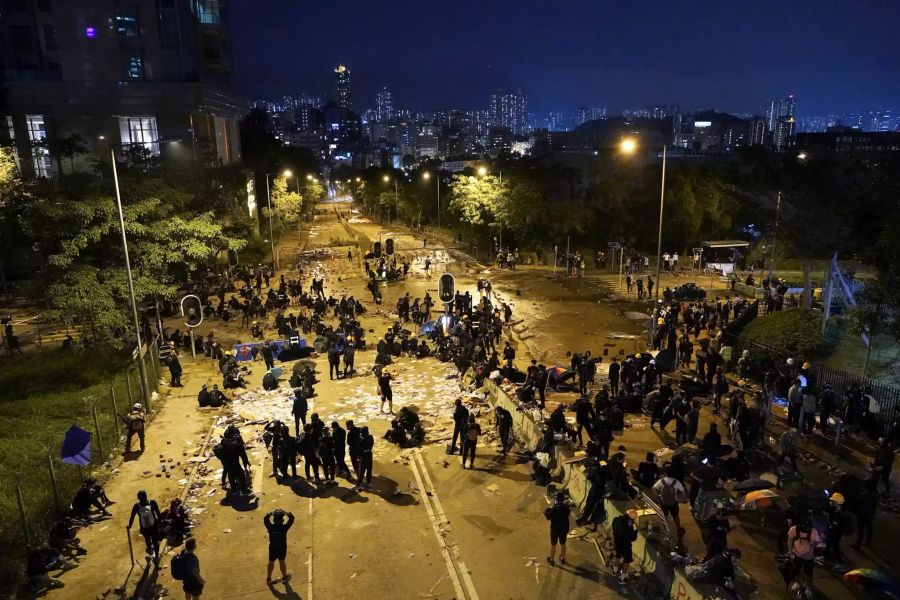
573,478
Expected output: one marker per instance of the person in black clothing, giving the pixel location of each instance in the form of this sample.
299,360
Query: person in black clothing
268,354
334,362
366,443
717,541
866,507
470,441
277,528
711,443
603,434
624,533
504,428
339,436
217,397
648,471
584,416
614,376
308,444
299,409
460,418
326,455
826,407
558,515
287,455
682,408
353,445
387,394
147,513
203,396
349,359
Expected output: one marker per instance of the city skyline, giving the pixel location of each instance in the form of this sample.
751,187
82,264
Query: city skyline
578,56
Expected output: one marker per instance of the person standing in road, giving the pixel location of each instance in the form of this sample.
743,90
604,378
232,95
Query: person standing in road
470,441
387,394
340,448
349,359
614,376
174,369
134,423
460,418
670,493
354,436
299,408
366,443
624,533
558,515
147,513
277,528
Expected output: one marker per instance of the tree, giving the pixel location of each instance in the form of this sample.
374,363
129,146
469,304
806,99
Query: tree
286,205
476,200
67,147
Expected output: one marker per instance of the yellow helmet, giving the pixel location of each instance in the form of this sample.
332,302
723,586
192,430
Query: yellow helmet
837,498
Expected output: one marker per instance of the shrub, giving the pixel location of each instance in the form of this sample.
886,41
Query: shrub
793,331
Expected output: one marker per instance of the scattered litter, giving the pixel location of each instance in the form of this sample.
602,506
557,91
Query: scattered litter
492,488
352,556
226,531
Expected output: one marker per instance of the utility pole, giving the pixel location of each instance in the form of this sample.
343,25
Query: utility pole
142,370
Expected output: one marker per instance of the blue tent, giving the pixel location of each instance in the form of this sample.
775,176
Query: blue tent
76,447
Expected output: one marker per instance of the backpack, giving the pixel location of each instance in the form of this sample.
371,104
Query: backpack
146,518
669,493
472,434
178,566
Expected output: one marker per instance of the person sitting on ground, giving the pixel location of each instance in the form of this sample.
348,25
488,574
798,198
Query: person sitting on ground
217,397
40,562
558,423
648,471
270,382
90,494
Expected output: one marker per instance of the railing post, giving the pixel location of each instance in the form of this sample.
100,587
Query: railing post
97,429
53,479
21,502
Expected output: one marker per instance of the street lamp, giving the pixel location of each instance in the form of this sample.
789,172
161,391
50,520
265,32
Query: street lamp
286,173
426,176
802,156
142,368
386,179
482,171
629,146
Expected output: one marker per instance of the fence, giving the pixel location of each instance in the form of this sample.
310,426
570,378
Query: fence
763,357
45,485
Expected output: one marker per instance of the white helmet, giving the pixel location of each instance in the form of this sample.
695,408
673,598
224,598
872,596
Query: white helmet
137,406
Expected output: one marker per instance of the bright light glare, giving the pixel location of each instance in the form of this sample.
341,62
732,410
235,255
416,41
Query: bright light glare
287,173
309,177
802,156
386,178
426,175
482,171
628,145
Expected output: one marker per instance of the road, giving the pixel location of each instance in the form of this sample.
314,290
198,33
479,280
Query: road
427,528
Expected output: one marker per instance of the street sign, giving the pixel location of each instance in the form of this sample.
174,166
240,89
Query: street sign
613,245
446,287
698,250
192,310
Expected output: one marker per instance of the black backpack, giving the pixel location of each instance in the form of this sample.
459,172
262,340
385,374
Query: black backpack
178,566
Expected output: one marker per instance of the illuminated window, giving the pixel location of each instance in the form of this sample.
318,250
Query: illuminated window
139,131
208,11
126,22
134,67
37,135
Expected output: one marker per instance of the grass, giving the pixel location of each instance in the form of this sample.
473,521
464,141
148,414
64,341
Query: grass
794,331
41,396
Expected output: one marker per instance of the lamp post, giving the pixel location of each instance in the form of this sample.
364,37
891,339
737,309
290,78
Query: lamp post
386,179
142,369
286,173
426,176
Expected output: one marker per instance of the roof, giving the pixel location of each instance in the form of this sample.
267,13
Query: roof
726,244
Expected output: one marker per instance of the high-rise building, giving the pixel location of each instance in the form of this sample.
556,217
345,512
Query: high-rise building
510,110
587,113
781,122
783,134
342,87
384,107
780,107
147,74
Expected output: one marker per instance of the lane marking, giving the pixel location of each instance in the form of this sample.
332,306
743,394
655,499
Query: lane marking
463,570
309,560
442,543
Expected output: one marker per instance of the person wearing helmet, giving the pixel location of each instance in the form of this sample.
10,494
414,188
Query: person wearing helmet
839,524
134,424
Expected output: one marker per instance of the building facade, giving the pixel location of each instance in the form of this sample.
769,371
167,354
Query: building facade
342,90
152,75
509,110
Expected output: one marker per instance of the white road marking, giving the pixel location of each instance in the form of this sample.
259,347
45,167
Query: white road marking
442,543
442,517
309,560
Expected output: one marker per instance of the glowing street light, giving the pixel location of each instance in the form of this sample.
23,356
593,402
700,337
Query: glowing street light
309,177
426,175
357,180
482,171
386,178
802,156
628,145
287,173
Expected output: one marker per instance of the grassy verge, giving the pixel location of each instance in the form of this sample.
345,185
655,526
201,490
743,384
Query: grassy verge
41,396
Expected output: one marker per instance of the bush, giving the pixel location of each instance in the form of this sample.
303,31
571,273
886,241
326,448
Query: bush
793,331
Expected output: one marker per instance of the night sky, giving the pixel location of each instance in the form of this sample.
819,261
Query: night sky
733,55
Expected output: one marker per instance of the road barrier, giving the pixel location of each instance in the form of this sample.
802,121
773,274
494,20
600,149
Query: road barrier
649,556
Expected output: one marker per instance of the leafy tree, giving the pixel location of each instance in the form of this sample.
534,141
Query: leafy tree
286,205
476,200
67,147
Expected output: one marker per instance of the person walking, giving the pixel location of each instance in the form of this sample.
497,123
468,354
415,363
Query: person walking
148,516
558,515
614,368
460,418
366,443
334,362
175,369
387,394
470,441
277,527
186,568
670,493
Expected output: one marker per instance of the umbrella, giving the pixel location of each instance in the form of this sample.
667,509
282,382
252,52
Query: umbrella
427,327
758,499
752,485
76,447
871,579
